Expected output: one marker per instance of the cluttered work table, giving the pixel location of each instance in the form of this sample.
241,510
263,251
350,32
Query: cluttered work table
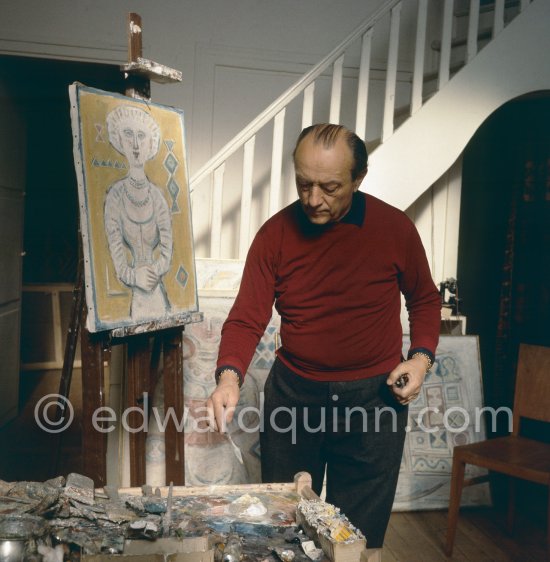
67,519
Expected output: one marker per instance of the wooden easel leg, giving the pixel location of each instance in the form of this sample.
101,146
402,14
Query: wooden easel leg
94,442
138,403
68,359
71,341
173,401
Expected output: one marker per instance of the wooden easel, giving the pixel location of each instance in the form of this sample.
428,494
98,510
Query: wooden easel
142,357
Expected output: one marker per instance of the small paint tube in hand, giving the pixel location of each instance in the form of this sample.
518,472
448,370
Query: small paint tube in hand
402,381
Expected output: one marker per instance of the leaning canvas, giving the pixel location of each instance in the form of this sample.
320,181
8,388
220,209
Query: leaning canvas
135,213
449,411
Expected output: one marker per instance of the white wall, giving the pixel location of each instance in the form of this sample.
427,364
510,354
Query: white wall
436,214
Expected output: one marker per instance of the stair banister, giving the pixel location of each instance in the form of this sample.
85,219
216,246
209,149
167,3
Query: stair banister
498,24
276,162
217,196
446,38
306,86
246,196
473,26
419,56
282,101
391,73
363,85
336,92
307,109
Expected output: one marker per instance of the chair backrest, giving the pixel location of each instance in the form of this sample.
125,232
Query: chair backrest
532,394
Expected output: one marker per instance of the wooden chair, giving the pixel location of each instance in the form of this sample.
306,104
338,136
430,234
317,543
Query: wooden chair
515,456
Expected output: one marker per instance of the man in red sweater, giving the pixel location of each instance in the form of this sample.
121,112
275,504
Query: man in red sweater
334,263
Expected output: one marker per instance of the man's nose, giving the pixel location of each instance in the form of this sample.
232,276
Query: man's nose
135,142
315,196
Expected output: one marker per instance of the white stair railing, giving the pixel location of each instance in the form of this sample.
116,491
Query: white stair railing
473,26
274,115
446,37
419,56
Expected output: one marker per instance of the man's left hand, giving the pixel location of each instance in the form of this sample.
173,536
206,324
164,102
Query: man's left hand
413,372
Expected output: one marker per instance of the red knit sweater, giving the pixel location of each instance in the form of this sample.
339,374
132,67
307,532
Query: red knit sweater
337,288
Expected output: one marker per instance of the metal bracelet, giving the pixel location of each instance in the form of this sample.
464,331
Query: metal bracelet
219,375
426,356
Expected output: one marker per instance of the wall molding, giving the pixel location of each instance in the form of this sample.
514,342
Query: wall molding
115,54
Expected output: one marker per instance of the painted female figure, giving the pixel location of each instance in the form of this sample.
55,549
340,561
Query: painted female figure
137,218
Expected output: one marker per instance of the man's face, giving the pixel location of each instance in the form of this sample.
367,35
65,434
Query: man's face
323,179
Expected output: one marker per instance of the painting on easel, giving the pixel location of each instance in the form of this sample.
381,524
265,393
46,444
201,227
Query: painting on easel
135,213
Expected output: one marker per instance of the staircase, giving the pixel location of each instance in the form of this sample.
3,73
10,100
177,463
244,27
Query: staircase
468,58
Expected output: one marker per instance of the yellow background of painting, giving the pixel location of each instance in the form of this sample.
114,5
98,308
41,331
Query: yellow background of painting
112,298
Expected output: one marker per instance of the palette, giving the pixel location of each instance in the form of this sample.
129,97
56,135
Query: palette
178,524
263,514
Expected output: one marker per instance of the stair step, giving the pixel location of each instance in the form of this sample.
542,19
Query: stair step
483,35
453,70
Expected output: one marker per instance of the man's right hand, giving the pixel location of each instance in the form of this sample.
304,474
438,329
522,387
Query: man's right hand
223,401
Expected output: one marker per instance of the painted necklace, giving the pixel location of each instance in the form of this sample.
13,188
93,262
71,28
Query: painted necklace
132,199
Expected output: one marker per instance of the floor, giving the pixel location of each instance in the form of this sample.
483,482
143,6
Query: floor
420,536
27,454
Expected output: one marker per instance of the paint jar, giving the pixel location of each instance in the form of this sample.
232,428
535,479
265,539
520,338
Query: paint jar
17,536
12,550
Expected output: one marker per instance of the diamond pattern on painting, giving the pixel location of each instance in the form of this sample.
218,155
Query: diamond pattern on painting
182,276
170,163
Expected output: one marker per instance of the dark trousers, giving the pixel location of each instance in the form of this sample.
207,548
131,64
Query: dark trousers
356,430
